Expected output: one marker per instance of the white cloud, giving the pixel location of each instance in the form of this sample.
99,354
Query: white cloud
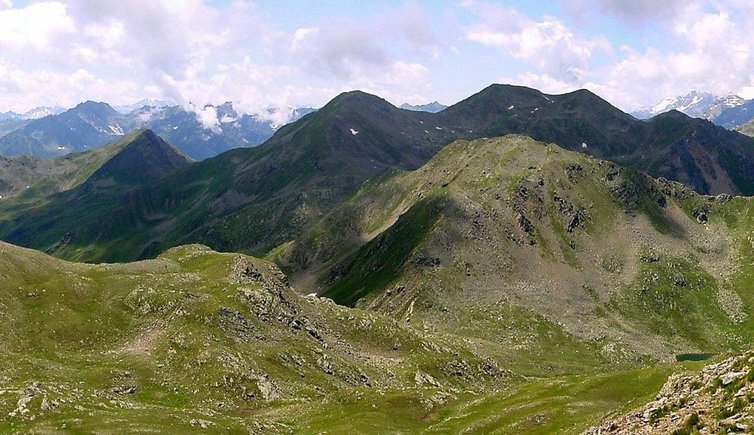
712,52
374,51
635,12
694,45
33,26
208,118
548,46
193,51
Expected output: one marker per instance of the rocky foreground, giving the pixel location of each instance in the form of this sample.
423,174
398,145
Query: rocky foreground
719,399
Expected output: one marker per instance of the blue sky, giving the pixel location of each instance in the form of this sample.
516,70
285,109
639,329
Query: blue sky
302,52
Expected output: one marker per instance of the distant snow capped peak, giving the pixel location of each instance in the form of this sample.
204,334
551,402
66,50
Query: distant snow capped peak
696,104
41,112
147,102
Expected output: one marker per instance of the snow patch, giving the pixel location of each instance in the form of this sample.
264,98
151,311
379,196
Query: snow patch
116,129
354,132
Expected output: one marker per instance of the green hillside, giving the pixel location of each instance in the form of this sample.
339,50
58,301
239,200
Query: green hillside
252,200
635,266
196,340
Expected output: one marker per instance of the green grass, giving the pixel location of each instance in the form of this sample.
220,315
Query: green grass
568,404
675,298
380,261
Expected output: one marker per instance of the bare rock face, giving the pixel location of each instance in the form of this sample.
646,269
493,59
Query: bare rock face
266,290
719,399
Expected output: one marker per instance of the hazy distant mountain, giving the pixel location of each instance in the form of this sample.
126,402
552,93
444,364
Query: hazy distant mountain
78,129
695,104
41,112
199,133
735,117
211,131
10,121
432,107
5,116
147,102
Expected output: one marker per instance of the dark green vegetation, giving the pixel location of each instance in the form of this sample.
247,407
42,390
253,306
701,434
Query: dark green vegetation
252,200
31,179
141,159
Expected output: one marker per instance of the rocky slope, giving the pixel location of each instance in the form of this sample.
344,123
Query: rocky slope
747,128
718,399
637,266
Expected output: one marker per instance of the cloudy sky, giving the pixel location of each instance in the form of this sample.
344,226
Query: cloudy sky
304,52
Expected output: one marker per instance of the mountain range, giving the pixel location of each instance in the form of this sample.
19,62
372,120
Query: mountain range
432,107
252,200
199,133
729,111
517,262
695,104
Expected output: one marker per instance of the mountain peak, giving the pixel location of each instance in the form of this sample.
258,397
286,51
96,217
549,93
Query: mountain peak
696,104
143,157
90,103
357,97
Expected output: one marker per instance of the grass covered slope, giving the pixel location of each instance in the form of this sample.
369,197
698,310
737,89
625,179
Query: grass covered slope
199,341
195,336
493,233
32,179
55,222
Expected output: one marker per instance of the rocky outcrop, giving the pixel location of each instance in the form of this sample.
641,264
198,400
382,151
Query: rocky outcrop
719,399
